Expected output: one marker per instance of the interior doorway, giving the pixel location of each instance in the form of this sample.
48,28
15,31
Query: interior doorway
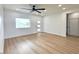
72,24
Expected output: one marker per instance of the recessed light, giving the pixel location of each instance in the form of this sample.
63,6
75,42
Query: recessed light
59,5
63,8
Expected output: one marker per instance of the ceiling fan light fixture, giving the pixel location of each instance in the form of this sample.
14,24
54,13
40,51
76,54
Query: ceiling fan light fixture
45,10
36,13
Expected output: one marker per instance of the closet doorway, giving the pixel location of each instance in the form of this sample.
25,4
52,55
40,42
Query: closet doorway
72,24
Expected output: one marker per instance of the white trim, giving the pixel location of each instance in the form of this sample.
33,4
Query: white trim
19,35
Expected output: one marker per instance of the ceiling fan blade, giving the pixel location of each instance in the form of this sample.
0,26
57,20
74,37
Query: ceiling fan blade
40,9
26,9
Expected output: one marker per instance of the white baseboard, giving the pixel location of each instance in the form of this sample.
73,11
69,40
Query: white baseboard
1,53
63,35
19,35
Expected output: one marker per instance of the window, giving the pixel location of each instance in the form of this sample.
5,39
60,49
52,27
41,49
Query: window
22,23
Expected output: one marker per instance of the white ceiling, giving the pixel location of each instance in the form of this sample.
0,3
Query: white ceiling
51,8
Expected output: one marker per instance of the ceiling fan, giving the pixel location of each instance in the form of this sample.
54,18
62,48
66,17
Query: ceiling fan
35,9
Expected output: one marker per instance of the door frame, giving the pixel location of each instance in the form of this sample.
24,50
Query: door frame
67,24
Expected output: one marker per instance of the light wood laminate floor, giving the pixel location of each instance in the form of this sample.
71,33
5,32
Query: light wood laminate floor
42,43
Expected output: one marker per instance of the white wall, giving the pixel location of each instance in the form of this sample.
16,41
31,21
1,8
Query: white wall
1,30
10,25
55,24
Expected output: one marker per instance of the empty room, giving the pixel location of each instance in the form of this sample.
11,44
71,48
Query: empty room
39,28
